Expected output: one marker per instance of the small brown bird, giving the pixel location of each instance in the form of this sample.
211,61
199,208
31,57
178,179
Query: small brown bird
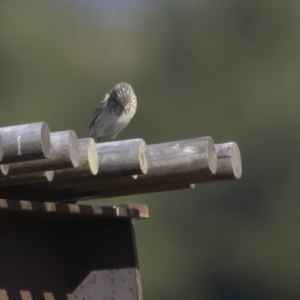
114,112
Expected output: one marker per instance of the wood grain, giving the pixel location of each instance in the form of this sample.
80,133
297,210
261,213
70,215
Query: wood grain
25,142
64,154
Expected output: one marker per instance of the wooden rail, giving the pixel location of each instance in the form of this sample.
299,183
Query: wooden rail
81,169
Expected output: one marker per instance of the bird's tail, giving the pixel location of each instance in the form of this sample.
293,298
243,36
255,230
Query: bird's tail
93,134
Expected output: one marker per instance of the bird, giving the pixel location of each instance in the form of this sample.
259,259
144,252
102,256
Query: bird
114,112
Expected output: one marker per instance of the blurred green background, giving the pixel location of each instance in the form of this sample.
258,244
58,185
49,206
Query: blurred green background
228,69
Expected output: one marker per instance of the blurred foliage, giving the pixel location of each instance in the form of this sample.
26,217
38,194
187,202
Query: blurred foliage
228,69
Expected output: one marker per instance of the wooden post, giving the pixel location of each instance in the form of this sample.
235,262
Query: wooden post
171,166
229,167
65,154
25,142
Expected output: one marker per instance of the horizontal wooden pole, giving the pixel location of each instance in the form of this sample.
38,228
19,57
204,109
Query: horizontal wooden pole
229,161
28,179
228,167
4,169
88,162
133,190
117,161
1,148
64,154
123,157
173,165
25,142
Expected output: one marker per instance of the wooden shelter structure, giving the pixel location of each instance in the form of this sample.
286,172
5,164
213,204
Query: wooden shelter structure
52,248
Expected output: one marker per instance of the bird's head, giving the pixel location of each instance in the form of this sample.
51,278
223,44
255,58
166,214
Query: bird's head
124,93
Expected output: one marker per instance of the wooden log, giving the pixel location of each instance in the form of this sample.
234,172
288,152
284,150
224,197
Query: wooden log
132,190
25,142
180,160
118,161
170,164
123,157
4,169
88,163
21,180
174,161
229,162
65,154
127,156
1,148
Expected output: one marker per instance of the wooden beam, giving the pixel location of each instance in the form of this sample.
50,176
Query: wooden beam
124,190
123,157
174,165
229,161
65,154
171,166
88,163
1,148
229,166
25,142
20,180
4,169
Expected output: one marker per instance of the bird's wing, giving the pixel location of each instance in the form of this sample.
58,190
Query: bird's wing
100,108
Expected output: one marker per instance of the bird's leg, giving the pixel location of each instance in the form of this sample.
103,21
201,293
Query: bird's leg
114,137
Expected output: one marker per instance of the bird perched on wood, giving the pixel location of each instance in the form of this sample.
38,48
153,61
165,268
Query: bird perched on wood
114,112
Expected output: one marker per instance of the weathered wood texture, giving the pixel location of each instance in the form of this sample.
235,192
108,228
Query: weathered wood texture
229,161
4,169
88,162
123,190
1,148
123,157
20,180
117,161
64,154
25,142
171,166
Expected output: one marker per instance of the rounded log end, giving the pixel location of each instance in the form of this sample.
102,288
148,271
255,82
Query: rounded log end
212,156
45,140
143,157
93,156
236,161
4,169
74,149
1,148
49,175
